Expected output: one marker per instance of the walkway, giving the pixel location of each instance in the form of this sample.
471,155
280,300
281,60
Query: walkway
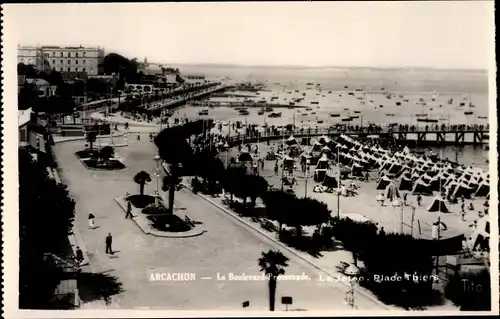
227,247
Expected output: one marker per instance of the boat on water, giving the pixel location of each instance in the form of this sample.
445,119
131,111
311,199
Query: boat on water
313,113
346,87
471,105
243,112
380,105
351,93
329,92
296,91
357,112
260,112
427,120
383,89
203,112
304,114
406,100
304,94
320,121
346,109
355,117
462,104
309,109
398,103
468,112
360,97
314,102
482,117
389,114
309,83
268,109
359,90
348,119
431,109
274,114
334,115
421,115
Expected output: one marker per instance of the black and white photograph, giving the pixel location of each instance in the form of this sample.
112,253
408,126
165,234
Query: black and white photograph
258,158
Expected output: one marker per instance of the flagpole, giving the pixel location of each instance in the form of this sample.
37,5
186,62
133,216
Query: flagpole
439,214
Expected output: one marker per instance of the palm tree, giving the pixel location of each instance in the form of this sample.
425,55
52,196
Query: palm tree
142,178
106,153
273,264
91,137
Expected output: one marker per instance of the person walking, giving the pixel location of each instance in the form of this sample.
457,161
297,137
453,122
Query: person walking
129,211
419,199
109,241
79,255
91,220
405,199
381,232
276,168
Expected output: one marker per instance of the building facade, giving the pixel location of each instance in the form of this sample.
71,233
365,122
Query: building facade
31,55
75,60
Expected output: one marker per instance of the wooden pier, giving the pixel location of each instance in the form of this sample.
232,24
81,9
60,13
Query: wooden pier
477,137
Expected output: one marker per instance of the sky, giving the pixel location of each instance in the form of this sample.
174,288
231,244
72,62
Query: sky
456,35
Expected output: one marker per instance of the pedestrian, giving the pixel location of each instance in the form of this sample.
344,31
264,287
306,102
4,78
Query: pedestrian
276,168
139,137
435,226
91,220
129,210
405,198
79,255
381,232
463,215
109,241
262,164
419,199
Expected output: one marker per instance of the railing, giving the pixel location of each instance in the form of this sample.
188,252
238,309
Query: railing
351,130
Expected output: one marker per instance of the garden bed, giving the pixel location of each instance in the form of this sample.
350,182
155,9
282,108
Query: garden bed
87,154
169,222
141,201
111,164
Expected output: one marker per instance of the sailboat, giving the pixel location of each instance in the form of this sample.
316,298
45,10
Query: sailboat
434,95
469,112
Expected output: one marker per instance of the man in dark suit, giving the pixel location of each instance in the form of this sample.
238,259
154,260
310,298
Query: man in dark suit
109,241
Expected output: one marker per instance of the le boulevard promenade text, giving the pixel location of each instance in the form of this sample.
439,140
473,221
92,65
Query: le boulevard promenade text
173,276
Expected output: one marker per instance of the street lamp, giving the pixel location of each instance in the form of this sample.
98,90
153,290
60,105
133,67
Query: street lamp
308,162
226,148
157,159
352,272
397,203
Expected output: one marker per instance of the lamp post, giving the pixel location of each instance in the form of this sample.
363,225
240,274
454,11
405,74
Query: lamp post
157,159
226,147
397,203
352,272
308,161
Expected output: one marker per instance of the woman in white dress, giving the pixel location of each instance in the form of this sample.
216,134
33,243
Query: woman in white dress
91,221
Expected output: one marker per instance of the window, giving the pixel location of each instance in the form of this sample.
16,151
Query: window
62,62
53,54
76,54
84,70
76,62
69,61
69,69
62,54
76,69
61,70
84,53
84,61
69,54
53,61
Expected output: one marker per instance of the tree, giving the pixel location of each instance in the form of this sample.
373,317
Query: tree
46,214
142,178
91,138
174,149
106,153
273,264
278,204
255,186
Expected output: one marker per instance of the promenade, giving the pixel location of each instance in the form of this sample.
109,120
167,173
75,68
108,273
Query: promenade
227,247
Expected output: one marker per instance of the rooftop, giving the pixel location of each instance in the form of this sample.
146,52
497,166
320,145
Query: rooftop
23,117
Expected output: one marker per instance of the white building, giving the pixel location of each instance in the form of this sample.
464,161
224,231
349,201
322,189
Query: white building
87,60
30,55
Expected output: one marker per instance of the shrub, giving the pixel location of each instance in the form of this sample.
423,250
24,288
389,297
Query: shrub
470,291
155,209
196,185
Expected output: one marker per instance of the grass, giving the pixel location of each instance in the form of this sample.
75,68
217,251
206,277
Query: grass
104,165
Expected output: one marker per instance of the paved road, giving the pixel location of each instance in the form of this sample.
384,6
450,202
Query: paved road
227,247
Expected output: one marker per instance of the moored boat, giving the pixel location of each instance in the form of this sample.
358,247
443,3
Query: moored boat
427,120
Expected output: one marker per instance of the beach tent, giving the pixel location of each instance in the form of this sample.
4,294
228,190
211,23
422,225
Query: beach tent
357,169
326,149
291,140
395,168
324,139
245,157
406,150
483,189
421,188
438,204
384,181
462,190
331,178
405,184
391,191
316,147
322,162
480,236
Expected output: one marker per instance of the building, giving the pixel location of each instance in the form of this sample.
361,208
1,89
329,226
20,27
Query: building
23,119
76,61
42,86
194,79
31,55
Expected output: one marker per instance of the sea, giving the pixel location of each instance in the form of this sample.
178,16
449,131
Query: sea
362,92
